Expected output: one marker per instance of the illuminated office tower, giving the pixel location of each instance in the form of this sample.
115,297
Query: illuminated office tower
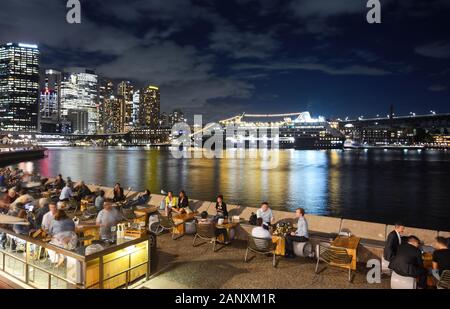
50,101
149,107
114,114
176,116
19,87
79,92
105,92
125,90
135,112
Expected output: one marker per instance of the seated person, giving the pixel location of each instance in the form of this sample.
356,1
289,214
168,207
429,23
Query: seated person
301,235
119,196
170,203
66,192
106,219
441,257
100,200
183,201
408,261
393,241
221,208
22,229
48,217
82,191
8,199
40,211
61,223
204,220
259,231
265,213
24,198
141,200
59,182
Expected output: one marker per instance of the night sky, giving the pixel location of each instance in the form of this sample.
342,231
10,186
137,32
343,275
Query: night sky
221,58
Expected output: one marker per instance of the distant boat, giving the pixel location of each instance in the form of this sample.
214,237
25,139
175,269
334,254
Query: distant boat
351,144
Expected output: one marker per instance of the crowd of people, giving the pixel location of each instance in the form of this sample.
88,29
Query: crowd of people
21,199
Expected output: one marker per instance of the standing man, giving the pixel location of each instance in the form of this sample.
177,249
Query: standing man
106,219
301,235
393,241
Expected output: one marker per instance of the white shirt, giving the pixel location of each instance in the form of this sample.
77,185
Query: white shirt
265,215
260,232
302,227
47,220
66,193
399,238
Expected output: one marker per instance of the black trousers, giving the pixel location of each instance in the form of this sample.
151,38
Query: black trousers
290,242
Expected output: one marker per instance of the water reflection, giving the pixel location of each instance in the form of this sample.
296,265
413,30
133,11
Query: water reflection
374,185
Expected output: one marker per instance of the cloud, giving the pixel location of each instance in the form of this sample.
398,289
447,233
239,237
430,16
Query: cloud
326,8
437,88
315,66
438,50
243,44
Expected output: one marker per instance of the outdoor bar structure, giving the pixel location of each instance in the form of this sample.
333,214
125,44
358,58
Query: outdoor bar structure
115,266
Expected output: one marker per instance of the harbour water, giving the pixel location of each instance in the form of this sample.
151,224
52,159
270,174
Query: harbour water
372,185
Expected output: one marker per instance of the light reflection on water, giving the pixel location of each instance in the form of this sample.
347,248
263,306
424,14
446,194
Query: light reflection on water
375,185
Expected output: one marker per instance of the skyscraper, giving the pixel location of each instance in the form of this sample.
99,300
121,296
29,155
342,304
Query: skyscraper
50,101
135,112
149,107
19,87
125,90
114,114
79,92
105,92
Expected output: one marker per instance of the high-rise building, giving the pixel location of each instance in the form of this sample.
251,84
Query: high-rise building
125,90
135,112
19,87
176,116
79,92
79,120
149,107
50,101
105,92
114,114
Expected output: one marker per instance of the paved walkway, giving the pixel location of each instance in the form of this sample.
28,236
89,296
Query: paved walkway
181,266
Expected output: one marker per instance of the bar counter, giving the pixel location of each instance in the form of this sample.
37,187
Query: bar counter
116,265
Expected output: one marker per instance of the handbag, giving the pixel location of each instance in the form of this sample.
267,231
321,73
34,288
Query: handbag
252,219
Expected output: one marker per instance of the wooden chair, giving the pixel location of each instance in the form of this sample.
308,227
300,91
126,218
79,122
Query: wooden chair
444,282
261,246
334,256
206,232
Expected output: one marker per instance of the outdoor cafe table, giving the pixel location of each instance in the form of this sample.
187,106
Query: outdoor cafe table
280,242
180,219
229,226
351,245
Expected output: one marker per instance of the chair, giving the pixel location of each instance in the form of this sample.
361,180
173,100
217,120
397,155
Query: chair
303,249
164,224
333,256
444,282
206,232
402,282
261,246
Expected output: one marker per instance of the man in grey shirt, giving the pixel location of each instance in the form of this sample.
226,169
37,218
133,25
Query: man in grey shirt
106,219
301,235
265,213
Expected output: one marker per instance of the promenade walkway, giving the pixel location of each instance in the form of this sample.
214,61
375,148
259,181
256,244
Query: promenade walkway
181,266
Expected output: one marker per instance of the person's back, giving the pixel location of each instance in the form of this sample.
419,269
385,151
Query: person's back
260,232
441,256
107,218
63,225
407,261
99,201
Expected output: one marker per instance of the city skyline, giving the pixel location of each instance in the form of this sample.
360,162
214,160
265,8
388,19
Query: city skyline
255,56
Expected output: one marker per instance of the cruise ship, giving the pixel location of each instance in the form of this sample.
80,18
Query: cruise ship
302,132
